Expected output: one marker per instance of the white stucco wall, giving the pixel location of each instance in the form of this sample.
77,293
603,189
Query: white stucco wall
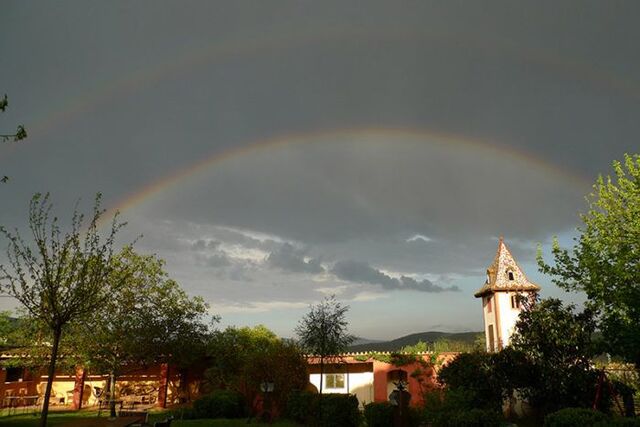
360,384
508,316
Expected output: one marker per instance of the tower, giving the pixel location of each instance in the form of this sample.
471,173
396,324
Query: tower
500,302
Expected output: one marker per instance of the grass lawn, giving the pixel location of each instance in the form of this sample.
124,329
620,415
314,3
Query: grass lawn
59,419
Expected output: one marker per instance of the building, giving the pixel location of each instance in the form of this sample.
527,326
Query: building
371,377
501,297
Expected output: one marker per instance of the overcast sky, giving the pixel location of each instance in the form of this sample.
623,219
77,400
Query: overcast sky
274,152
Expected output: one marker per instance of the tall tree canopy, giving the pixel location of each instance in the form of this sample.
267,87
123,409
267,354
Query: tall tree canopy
148,320
323,331
605,261
60,276
558,348
243,359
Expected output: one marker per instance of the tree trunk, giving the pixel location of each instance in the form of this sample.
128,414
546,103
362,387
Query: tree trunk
320,420
57,332
321,372
112,395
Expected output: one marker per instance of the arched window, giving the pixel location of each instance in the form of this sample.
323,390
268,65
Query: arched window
510,274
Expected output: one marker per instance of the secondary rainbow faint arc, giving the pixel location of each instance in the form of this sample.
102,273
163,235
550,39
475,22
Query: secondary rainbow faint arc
243,48
430,137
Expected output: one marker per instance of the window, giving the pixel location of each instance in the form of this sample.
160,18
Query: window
515,301
510,274
489,304
14,374
334,380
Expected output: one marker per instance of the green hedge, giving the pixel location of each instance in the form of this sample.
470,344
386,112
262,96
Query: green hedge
575,417
455,408
219,404
380,414
338,410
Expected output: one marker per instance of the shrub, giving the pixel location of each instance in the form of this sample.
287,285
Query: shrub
575,417
340,410
218,404
337,409
474,373
455,408
302,406
378,414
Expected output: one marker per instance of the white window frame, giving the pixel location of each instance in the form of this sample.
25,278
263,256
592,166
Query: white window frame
326,381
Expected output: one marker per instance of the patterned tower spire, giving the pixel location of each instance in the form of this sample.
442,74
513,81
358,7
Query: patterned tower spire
504,274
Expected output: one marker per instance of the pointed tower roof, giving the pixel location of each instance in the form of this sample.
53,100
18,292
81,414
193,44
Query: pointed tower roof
504,274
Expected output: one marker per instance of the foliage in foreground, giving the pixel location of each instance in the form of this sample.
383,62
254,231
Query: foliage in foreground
59,276
548,363
558,348
574,417
380,414
327,410
457,408
148,321
219,404
605,261
323,331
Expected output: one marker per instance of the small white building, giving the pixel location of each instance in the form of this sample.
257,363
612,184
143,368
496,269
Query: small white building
500,303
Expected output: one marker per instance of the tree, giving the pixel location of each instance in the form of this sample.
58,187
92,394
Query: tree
557,346
20,133
605,260
243,359
323,331
61,276
148,320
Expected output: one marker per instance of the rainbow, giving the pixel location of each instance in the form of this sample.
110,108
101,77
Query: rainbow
228,50
168,182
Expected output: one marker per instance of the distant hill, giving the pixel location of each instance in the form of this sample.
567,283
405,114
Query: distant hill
364,341
429,337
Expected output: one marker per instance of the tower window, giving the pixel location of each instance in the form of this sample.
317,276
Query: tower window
515,301
510,274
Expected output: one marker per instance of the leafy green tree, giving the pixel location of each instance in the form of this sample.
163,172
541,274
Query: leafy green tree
558,348
8,327
243,359
20,133
605,260
323,331
148,320
61,276
472,375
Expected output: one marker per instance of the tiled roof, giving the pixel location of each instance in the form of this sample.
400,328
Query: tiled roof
498,277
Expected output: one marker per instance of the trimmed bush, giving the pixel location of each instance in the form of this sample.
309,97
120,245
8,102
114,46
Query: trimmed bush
575,417
219,404
302,406
378,414
455,408
338,410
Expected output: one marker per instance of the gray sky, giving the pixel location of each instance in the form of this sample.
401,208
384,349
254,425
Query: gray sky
275,152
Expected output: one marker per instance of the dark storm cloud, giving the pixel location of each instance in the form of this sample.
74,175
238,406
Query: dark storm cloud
288,258
543,96
361,272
